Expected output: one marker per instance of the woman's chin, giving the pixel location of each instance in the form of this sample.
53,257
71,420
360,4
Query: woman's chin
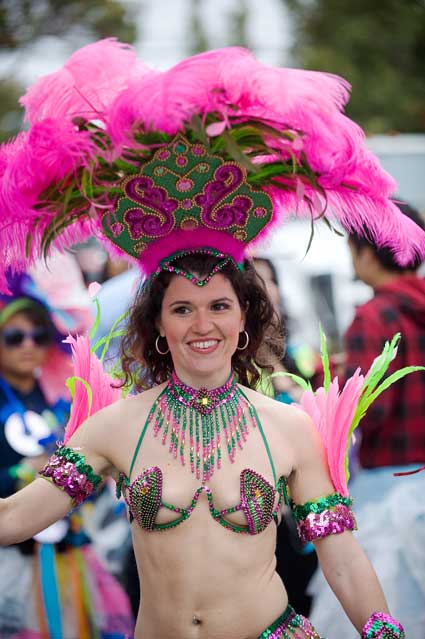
207,366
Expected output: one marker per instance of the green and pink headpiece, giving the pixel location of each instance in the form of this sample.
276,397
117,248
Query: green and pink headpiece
184,200
213,154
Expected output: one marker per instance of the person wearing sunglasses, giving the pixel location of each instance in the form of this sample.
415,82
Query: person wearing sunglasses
30,424
52,567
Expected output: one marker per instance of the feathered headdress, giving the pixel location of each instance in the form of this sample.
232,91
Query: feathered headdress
216,152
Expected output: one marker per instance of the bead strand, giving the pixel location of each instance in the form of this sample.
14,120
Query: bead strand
208,416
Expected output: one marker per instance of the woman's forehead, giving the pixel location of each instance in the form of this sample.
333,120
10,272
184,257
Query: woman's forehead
181,288
19,319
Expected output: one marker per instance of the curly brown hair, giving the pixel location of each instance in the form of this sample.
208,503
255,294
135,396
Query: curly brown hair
143,366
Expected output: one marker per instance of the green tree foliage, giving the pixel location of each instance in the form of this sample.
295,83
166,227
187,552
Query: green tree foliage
23,22
378,46
198,39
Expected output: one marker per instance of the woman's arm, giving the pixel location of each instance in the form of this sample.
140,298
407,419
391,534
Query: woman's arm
30,510
351,576
41,503
344,564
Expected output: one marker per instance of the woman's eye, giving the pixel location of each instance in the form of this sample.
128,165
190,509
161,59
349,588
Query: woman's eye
220,306
181,310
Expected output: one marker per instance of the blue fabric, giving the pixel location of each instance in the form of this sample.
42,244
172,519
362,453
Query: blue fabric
8,405
13,401
49,589
371,485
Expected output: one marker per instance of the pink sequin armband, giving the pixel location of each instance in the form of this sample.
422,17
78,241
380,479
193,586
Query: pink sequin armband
382,626
329,515
68,470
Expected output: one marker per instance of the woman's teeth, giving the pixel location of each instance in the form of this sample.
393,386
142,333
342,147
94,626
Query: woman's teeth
205,345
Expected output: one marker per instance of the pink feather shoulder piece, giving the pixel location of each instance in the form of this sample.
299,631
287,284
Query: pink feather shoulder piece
92,387
336,412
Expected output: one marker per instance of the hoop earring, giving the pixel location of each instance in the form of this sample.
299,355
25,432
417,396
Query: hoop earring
242,348
157,349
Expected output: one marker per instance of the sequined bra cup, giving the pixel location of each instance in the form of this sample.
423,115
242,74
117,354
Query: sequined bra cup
144,499
257,495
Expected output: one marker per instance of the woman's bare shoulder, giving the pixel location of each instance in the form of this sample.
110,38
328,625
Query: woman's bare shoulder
131,407
290,412
285,419
109,421
110,433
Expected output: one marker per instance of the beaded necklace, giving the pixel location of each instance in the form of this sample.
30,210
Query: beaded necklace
204,417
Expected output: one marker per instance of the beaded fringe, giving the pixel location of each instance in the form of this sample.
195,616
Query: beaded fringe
209,419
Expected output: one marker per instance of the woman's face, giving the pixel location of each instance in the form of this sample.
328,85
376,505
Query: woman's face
20,354
202,326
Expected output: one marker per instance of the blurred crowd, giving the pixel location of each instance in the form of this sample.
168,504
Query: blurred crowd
91,550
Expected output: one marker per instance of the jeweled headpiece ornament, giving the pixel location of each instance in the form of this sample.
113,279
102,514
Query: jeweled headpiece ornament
216,152
186,188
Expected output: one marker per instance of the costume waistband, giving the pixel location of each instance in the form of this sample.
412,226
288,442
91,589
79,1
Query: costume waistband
289,620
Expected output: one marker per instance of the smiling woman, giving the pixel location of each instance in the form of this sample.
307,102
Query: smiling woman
187,316
184,172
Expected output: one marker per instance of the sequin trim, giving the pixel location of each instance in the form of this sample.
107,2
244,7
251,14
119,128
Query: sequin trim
68,470
383,626
182,186
286,626
329,515
320,505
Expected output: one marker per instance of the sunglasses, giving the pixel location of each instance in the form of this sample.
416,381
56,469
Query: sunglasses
13,337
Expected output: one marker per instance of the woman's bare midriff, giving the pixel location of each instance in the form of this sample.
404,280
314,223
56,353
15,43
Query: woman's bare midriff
200,580
213,584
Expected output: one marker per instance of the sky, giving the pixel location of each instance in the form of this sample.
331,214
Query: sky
163,35
163,42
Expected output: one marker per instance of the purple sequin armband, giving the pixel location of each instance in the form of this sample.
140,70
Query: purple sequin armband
329,515
68,470
382,626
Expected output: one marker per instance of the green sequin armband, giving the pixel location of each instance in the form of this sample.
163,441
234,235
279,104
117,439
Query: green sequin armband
68,470
326,516
320,505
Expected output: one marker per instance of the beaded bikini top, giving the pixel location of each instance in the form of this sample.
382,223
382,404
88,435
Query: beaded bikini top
144,499
209,416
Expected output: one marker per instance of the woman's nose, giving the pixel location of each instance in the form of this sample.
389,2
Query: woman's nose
202,323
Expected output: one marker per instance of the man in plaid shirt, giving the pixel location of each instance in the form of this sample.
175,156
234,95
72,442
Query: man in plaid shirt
393,430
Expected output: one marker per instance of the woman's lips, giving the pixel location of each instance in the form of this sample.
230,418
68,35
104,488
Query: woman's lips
204,346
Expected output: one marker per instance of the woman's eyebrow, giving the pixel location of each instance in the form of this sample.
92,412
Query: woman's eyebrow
222,299
180,302
188,303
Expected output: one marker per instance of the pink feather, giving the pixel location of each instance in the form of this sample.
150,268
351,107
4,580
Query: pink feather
86,85
332,413
88,367
105,82
46,154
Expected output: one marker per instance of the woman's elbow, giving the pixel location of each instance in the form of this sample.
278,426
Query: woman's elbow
8,533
